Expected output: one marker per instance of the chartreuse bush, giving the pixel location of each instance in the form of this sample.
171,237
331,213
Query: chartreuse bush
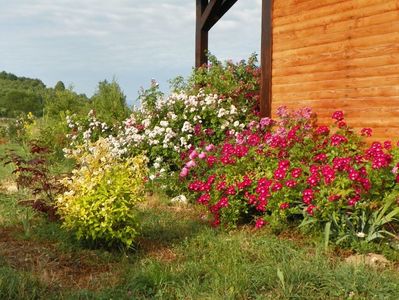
102,194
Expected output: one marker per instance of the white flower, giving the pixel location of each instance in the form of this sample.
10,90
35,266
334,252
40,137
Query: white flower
164,123
146,123
187,127
361,234
179,199
222,112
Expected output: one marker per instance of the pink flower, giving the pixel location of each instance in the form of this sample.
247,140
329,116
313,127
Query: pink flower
184,172
265,122
191,164
193,155
282,111
202,155
338,115
210,147
395,170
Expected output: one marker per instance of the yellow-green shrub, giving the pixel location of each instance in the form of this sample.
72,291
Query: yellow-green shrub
102,194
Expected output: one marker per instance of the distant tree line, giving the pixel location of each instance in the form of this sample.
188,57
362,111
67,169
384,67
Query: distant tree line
21,95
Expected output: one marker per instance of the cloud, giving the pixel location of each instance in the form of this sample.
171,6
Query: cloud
84,41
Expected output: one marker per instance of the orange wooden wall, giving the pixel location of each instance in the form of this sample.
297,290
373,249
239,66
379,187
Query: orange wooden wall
339,55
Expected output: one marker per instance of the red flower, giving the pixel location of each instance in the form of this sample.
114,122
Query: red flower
333,198
291,183
338,115
296,172
310,209
388,145
322,130
284,205
259,223
307,196
366,132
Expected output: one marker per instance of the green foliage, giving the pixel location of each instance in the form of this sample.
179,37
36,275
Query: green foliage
239,81
20,95
102,194
60,86
58,102
109,102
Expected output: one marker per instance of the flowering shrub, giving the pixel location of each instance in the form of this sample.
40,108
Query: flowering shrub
102,194
210,106
238,81
85,130
292,168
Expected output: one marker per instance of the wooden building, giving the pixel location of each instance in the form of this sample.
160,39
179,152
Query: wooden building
332,55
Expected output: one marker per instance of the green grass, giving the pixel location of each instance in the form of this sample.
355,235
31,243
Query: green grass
179,257
5,171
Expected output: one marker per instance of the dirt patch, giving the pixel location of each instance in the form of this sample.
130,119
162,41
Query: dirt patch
8,186
371,259
156,250
43,260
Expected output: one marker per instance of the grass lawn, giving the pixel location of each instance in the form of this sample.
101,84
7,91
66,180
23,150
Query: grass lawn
5,171
178,256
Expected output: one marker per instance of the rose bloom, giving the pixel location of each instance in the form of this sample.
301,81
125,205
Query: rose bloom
338,115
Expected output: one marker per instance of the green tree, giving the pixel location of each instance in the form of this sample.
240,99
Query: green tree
17,102
109,102
59,86
62,101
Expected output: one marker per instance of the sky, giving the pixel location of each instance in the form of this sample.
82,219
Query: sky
82,42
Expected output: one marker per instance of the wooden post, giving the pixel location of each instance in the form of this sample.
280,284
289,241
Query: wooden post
201,35
266,59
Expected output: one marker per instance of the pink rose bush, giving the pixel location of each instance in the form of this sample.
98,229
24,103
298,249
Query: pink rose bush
292,169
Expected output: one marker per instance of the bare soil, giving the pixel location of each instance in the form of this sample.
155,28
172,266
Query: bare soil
80,270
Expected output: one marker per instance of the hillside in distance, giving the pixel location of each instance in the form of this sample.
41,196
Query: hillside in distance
22,95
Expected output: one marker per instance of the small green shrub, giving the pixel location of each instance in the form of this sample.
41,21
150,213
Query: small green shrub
102,194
